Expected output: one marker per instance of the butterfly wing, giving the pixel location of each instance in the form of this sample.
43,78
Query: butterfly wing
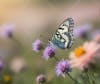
63,37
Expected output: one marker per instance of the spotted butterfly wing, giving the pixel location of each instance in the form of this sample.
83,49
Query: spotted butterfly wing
63,37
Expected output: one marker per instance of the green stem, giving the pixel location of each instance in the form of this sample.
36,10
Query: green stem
92,77
56,58
89,81
73,79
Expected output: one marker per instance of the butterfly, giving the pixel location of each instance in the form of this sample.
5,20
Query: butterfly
63,37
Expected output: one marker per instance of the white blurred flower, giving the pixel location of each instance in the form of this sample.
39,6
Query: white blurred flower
17,64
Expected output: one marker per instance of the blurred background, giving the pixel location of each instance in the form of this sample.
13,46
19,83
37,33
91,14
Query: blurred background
22,21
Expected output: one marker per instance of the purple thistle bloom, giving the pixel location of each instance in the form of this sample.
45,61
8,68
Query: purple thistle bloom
49,52
81,31
7,30
37,45
1,65
63,67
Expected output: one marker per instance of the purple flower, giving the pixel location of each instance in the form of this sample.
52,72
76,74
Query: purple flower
41,79
81,31
7,30
37,45
49,52
1,65
63,67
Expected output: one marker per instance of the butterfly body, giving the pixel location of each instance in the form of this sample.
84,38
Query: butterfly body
63,37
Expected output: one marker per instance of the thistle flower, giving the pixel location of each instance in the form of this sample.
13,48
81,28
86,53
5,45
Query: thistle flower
81,31
41,79
49,52
63,67
7,31
82,56
1,64
37,45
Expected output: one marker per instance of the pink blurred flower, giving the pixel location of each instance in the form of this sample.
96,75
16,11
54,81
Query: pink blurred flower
82,56
17,64
97,38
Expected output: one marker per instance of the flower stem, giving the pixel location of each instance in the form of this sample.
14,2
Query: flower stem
56,58
92,77
88,77
73,79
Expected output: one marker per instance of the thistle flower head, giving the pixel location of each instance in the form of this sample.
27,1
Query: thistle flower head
7,31
63,67
1,64
37,45
49,52
41,79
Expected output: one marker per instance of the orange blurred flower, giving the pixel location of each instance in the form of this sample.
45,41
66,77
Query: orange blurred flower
7,79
